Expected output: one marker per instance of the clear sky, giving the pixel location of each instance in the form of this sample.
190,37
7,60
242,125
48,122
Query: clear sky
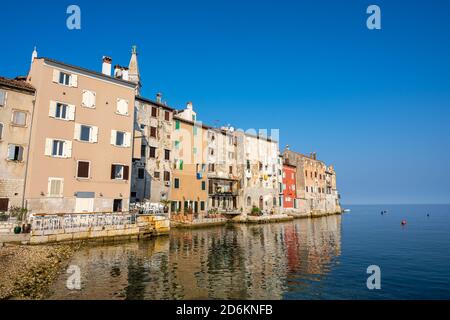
375,104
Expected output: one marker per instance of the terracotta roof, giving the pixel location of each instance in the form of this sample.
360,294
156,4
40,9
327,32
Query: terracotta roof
17,84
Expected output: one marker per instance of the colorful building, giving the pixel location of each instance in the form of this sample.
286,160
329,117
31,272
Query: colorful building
289,187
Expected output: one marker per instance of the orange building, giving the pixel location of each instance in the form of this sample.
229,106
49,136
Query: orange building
289,187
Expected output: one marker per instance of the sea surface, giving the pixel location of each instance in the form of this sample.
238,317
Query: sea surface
323,258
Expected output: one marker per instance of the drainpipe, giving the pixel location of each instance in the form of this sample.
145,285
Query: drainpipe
28,152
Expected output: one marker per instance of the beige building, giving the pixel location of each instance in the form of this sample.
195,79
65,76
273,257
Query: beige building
16,112
153,144
81,145
316,184
223,180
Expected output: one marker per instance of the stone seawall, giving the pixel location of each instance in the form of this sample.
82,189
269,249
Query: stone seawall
144,227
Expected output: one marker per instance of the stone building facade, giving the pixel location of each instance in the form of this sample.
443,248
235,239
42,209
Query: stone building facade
259,172
152,169
223,179
316,184
16,112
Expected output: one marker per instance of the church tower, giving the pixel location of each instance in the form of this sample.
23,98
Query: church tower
134,75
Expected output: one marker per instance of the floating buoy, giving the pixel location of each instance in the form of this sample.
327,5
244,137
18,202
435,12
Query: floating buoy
404,223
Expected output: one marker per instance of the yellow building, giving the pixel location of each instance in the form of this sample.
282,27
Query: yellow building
189,190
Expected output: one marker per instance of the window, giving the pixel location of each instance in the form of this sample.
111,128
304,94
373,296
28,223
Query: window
195,130
203,185
122,107
167,154
88,99
83,169
58,148
248,164
193,117
2,98
315,174
143,150
307,189
153,132
166,176
154,112
119,172
211,167
1,131
85,133
15,152
64,78
306,173
156,175
141,173
55,187
4,204
167,115
120,138
176,183
177,125
274,202
19,118
61,111
152,152
231,169
177,145
202,205
249,201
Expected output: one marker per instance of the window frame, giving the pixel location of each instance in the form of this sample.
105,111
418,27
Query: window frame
15,111
61,194
89,169
19,153
61,148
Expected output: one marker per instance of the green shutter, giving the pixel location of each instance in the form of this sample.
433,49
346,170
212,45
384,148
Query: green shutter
177,125
181,164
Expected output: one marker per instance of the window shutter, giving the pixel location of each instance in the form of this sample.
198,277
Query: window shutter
113,137
71,112
88,99
126,172
94,134
52,109
55,75
48,146
127,139
20,156
77,132
83,169
113,171
74,80
67,149
122,106
11,150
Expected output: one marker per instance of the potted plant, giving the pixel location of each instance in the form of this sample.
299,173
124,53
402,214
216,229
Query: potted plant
20,214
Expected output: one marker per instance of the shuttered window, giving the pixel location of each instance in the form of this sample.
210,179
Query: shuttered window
152,152
1,131
88,99
15,152
166,176
4,204
176,183
83,169
55,187
154,112
2,98
141,173
177,125
153,132
119,172
19,118
167,154
167,115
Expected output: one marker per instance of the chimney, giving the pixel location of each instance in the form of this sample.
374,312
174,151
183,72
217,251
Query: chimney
125,73
117,71
189,106
106,66
158,97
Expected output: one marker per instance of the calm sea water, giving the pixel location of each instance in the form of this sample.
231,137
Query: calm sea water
324,258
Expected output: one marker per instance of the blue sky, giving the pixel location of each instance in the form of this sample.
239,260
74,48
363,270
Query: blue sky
373,103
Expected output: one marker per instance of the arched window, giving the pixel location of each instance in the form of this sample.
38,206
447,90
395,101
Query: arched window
249,201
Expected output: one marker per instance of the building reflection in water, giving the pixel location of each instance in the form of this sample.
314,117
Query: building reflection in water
234,262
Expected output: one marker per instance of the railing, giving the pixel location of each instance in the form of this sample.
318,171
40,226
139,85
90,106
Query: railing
75,221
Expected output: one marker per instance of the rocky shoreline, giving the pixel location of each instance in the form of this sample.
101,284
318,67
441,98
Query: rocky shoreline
28,271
